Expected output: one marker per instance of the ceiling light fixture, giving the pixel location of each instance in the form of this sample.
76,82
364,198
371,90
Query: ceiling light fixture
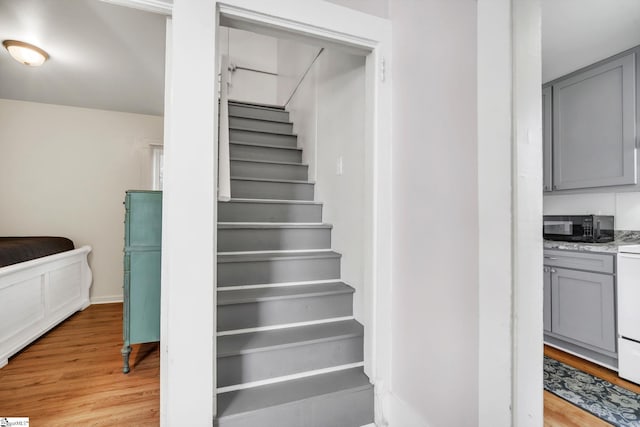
26,53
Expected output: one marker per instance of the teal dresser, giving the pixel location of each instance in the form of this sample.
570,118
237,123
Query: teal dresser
142,242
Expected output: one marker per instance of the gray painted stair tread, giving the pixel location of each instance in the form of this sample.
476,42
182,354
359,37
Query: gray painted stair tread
267,225
253,399
243,296
231,345
293,202
257,144
257,105
270,162
259,119
271,256
261,131
290,181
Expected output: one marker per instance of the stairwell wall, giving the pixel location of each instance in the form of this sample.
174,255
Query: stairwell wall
328,114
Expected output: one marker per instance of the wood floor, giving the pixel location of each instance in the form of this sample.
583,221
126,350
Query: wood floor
559,413
73,376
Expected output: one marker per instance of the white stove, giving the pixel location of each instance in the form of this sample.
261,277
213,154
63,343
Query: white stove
629,312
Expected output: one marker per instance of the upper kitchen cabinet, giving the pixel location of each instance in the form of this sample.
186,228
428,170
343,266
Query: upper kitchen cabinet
594,126
547,132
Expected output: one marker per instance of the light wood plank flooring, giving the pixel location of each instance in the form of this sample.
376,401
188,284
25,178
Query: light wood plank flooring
72,376
558,412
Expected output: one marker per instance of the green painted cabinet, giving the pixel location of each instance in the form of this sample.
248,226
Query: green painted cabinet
142,242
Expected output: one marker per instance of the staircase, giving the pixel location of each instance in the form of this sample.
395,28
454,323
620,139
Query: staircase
290,353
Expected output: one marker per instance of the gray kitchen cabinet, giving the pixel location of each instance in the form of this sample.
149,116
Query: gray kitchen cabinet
594,126
547,133
547,298
579,304
584,307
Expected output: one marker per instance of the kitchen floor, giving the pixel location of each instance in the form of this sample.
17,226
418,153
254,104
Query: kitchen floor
560,413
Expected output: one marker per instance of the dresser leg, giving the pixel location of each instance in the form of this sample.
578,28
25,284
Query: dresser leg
126,351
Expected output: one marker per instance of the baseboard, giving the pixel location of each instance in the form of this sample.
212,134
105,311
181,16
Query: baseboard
107,299
403,415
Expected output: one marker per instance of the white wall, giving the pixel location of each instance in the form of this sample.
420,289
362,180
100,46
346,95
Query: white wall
435,212
625,206
65,171
255,51
328,115
294,59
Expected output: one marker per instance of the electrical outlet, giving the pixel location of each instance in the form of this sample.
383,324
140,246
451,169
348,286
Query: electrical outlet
339,166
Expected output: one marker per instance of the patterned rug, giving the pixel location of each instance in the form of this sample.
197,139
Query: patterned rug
613,404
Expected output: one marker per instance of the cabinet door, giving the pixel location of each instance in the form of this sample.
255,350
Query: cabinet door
547,299
547,133
594,127
144,297
583,307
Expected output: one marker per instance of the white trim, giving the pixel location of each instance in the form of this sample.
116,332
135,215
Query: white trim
163,7
289,251
283,326
527,322
288,378
273,224
107,299
276,285
274,201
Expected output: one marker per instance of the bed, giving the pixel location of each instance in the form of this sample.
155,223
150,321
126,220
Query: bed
43,280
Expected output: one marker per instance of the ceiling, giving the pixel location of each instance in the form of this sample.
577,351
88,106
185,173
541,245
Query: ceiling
576,33
102,55
111,57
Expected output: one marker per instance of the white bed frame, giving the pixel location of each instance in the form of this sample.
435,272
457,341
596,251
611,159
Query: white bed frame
36,295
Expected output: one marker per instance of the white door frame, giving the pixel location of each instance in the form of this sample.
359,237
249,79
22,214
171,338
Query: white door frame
353,30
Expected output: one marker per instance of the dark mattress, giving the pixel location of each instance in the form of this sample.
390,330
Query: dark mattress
14,250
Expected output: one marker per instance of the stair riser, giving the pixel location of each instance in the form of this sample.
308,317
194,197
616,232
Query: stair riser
258,113
283,311
277,271
271,190
264,126
238,135
264,153
263,365
255,239
269,170
268,212
348,409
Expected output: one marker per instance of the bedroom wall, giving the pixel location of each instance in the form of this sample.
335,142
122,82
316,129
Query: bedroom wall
64,171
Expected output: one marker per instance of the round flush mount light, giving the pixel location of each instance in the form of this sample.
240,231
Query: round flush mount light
26,53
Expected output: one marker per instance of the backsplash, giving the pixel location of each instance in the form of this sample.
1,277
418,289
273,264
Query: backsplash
624,206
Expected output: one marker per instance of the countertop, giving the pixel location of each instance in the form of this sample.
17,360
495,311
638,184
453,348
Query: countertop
622,238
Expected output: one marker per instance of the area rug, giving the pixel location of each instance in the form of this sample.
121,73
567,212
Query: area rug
609,402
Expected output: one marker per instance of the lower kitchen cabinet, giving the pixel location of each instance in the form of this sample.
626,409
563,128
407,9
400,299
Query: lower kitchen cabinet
579,305
583,307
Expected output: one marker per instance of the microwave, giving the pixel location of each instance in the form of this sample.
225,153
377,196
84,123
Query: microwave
578,228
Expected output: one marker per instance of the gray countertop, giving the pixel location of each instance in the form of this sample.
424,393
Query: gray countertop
622,238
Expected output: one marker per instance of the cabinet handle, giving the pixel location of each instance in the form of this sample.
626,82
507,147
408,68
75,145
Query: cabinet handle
553,270
555,187
550,257
546,269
